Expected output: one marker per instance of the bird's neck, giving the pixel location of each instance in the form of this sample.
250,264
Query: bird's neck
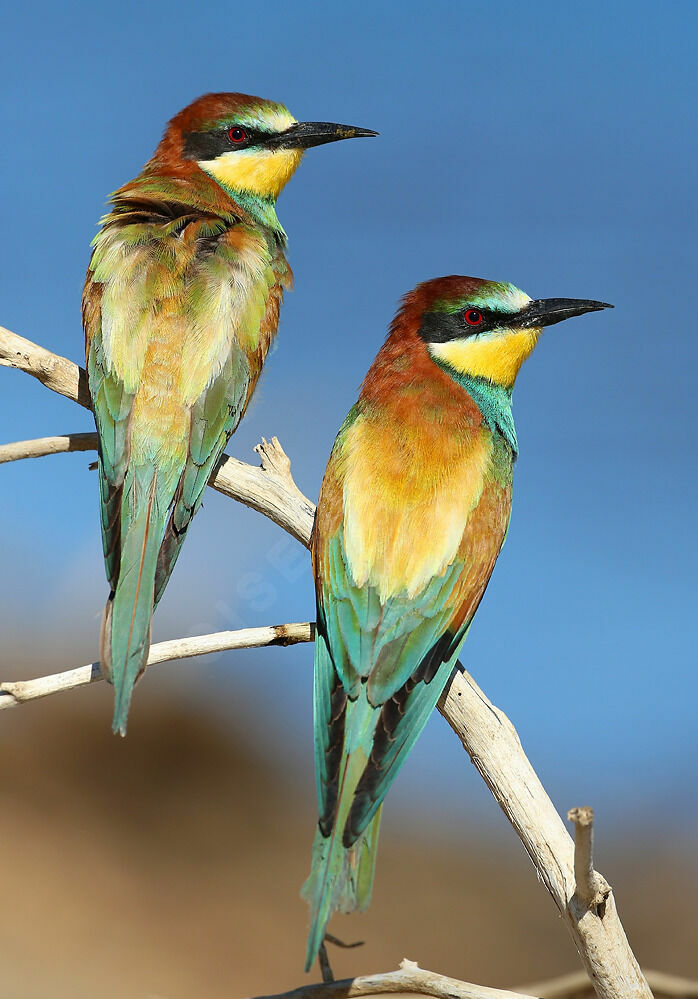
414,383
494,402
195,189
262,210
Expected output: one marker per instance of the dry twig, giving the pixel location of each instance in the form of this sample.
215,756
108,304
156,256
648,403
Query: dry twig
20,691
591,890
55,372
47,445
492,743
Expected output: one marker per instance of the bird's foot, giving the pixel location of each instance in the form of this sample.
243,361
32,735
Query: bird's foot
324,962
341,943
323,959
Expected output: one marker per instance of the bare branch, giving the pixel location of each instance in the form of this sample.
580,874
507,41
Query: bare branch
491,741
54,371
269,489
409,979
590,888
47,445
17,692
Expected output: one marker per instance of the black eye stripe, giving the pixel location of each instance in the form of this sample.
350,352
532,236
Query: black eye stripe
440,327
209,145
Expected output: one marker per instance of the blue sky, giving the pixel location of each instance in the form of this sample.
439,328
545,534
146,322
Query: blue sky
551,145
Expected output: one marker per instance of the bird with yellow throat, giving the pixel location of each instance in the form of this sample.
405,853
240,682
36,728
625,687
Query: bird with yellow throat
413,512
180,307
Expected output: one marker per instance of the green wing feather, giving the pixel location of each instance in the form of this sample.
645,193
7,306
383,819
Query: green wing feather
379,647
112,408
379,671
215,415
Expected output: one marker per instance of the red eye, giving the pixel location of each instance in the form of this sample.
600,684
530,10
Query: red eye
473,317
237,135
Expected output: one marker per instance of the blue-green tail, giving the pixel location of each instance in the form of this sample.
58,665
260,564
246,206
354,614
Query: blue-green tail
127,618
341,877
341,880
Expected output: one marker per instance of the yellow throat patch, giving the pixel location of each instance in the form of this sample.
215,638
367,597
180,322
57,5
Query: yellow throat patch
264,172
497,356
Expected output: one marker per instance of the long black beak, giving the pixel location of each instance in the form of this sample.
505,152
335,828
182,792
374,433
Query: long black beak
548,311
304,134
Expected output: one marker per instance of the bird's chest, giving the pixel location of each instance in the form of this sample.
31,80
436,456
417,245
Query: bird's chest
408,492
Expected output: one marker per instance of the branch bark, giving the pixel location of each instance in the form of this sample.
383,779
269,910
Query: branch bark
410,979
20,691
485,732
42,446
590,888
493,745
55,372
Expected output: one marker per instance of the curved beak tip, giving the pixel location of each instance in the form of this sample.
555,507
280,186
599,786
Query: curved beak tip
548,311
305,134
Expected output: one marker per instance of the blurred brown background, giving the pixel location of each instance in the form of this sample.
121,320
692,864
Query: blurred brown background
168,866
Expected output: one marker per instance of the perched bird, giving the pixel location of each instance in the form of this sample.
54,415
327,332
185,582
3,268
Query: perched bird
413,512
180,307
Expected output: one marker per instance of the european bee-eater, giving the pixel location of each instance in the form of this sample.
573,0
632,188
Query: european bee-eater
180,307
413,512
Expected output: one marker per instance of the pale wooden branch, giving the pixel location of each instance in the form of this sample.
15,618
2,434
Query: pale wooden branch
485,732
269,489
492,743
17,692
54,371
590,888
42,446
410,979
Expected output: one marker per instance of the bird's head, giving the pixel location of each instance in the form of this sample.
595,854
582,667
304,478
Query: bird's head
485,329
245,143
